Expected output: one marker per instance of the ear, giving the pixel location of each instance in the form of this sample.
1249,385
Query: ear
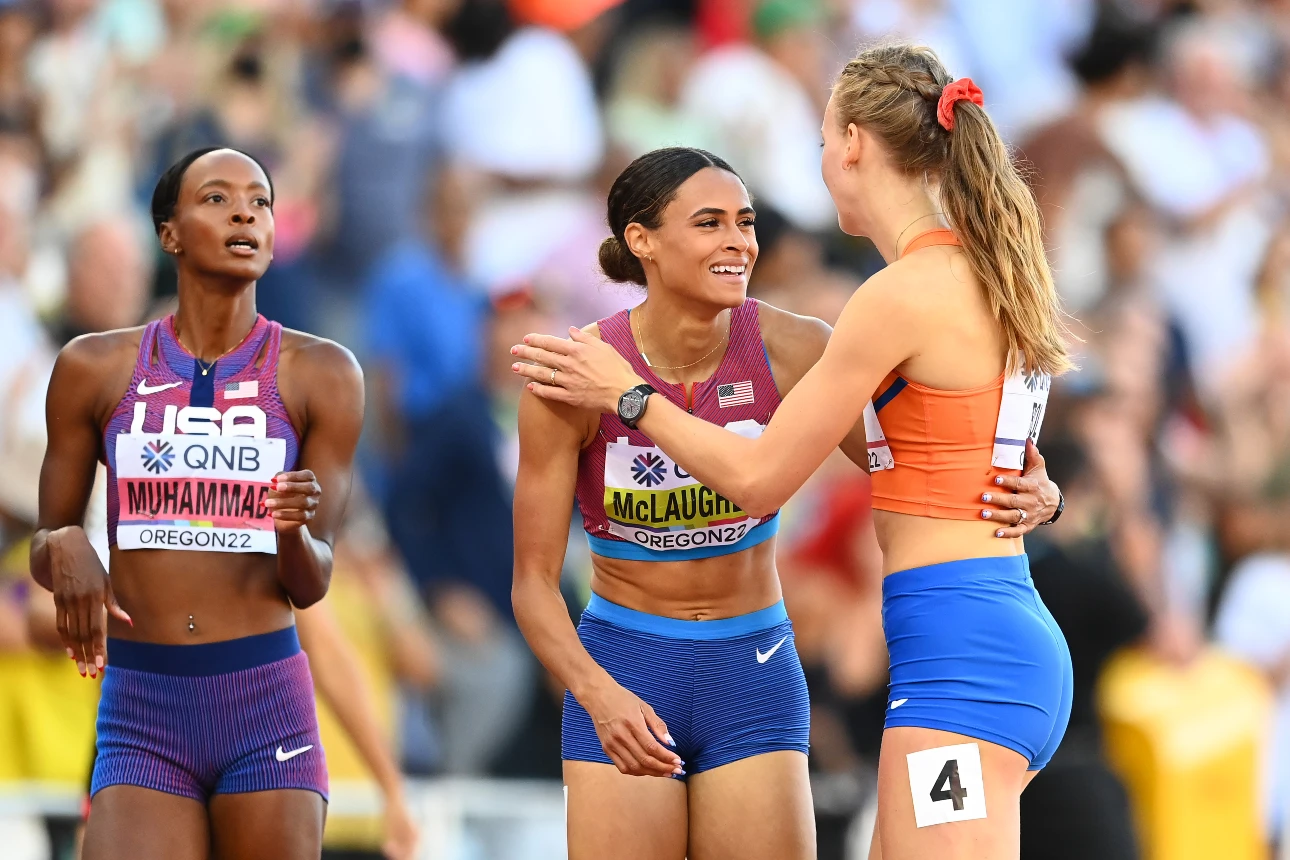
169,241
858,140
640,241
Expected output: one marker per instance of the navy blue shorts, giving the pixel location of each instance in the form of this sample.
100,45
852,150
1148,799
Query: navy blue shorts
219,718
727,689
974,650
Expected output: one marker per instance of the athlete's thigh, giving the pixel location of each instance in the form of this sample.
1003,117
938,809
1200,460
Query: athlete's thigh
942,788
284,824
128,822
757,808
610,814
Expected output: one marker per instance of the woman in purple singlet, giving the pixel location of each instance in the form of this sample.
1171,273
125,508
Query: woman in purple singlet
229,444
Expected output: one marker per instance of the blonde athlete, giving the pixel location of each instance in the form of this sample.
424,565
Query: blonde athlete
948,354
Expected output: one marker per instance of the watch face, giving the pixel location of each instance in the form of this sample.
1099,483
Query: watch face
629,406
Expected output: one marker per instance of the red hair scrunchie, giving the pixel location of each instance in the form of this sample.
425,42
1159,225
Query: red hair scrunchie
954,93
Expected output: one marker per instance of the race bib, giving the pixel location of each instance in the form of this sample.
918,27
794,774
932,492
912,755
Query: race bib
191,492
654,503
1021,412
880,458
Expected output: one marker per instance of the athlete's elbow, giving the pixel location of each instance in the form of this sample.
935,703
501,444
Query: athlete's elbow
305,595
756,499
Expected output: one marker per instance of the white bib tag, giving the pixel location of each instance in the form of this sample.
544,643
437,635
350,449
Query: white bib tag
947,784
1021,412
880,458
196,492
654,503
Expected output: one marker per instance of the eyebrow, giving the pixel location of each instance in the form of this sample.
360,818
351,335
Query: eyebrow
712,210
226,184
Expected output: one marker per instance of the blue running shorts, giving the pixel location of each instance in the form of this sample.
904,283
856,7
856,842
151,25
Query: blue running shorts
728,689
974,650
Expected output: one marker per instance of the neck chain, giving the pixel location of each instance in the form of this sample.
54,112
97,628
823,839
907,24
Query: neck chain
641,331
911,224
206,366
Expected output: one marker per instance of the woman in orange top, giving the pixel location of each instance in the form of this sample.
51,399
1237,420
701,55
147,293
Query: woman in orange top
953,344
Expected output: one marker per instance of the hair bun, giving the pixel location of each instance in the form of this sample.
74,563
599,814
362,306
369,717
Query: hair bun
619,263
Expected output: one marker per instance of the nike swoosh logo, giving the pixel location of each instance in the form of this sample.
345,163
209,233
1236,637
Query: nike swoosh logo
896,704
762,658
145,389
287,756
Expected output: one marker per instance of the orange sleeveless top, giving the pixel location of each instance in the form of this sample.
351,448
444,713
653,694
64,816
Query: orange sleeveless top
941,441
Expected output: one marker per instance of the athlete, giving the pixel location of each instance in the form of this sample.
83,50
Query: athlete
229,444
683,666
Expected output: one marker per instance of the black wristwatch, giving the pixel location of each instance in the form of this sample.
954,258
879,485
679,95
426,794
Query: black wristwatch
1057,514
631,406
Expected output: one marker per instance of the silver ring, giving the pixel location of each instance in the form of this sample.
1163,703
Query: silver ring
553,376
1023,516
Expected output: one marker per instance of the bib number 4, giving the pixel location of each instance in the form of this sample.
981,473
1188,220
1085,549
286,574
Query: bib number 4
949,786
946,784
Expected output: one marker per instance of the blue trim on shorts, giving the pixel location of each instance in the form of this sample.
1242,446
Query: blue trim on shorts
625,549
210,658
675,628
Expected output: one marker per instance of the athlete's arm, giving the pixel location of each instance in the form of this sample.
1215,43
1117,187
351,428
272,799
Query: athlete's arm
305,517
878,330
344,687
794,344
62,559
551,436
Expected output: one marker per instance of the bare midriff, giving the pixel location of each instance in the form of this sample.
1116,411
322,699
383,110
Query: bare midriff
911,541
229,595
694,589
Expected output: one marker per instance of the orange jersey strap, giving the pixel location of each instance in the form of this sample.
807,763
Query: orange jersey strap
930,238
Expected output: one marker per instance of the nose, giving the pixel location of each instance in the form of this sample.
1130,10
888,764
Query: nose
737,240
243,214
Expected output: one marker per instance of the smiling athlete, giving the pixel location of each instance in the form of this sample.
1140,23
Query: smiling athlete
229,444
683,666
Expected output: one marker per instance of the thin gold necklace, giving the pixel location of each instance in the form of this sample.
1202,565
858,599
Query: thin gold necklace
640,327
206,368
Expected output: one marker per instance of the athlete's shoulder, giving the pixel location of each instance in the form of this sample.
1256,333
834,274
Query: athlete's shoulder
781,327
793,343
322,355
102,352
93,371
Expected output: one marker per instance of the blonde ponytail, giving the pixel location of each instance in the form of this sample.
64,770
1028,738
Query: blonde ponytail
894,91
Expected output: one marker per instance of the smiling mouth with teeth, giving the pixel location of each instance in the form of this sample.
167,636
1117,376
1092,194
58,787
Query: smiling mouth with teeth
727,270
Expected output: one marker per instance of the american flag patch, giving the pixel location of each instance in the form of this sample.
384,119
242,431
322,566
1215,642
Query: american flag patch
241,390
734,394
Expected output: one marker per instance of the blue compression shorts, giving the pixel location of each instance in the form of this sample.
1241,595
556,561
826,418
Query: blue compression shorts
728,689
974,650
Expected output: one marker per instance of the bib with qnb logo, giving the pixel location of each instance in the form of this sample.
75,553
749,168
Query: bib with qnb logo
190,455
636,502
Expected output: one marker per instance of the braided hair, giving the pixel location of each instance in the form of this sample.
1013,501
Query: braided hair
893,92
640,194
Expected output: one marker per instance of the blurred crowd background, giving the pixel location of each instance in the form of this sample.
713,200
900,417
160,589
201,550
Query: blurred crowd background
441,168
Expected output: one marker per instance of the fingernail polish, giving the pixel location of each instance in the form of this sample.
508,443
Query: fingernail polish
667,738
71,654
985,515
998,481
998,533
98,662
985,497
